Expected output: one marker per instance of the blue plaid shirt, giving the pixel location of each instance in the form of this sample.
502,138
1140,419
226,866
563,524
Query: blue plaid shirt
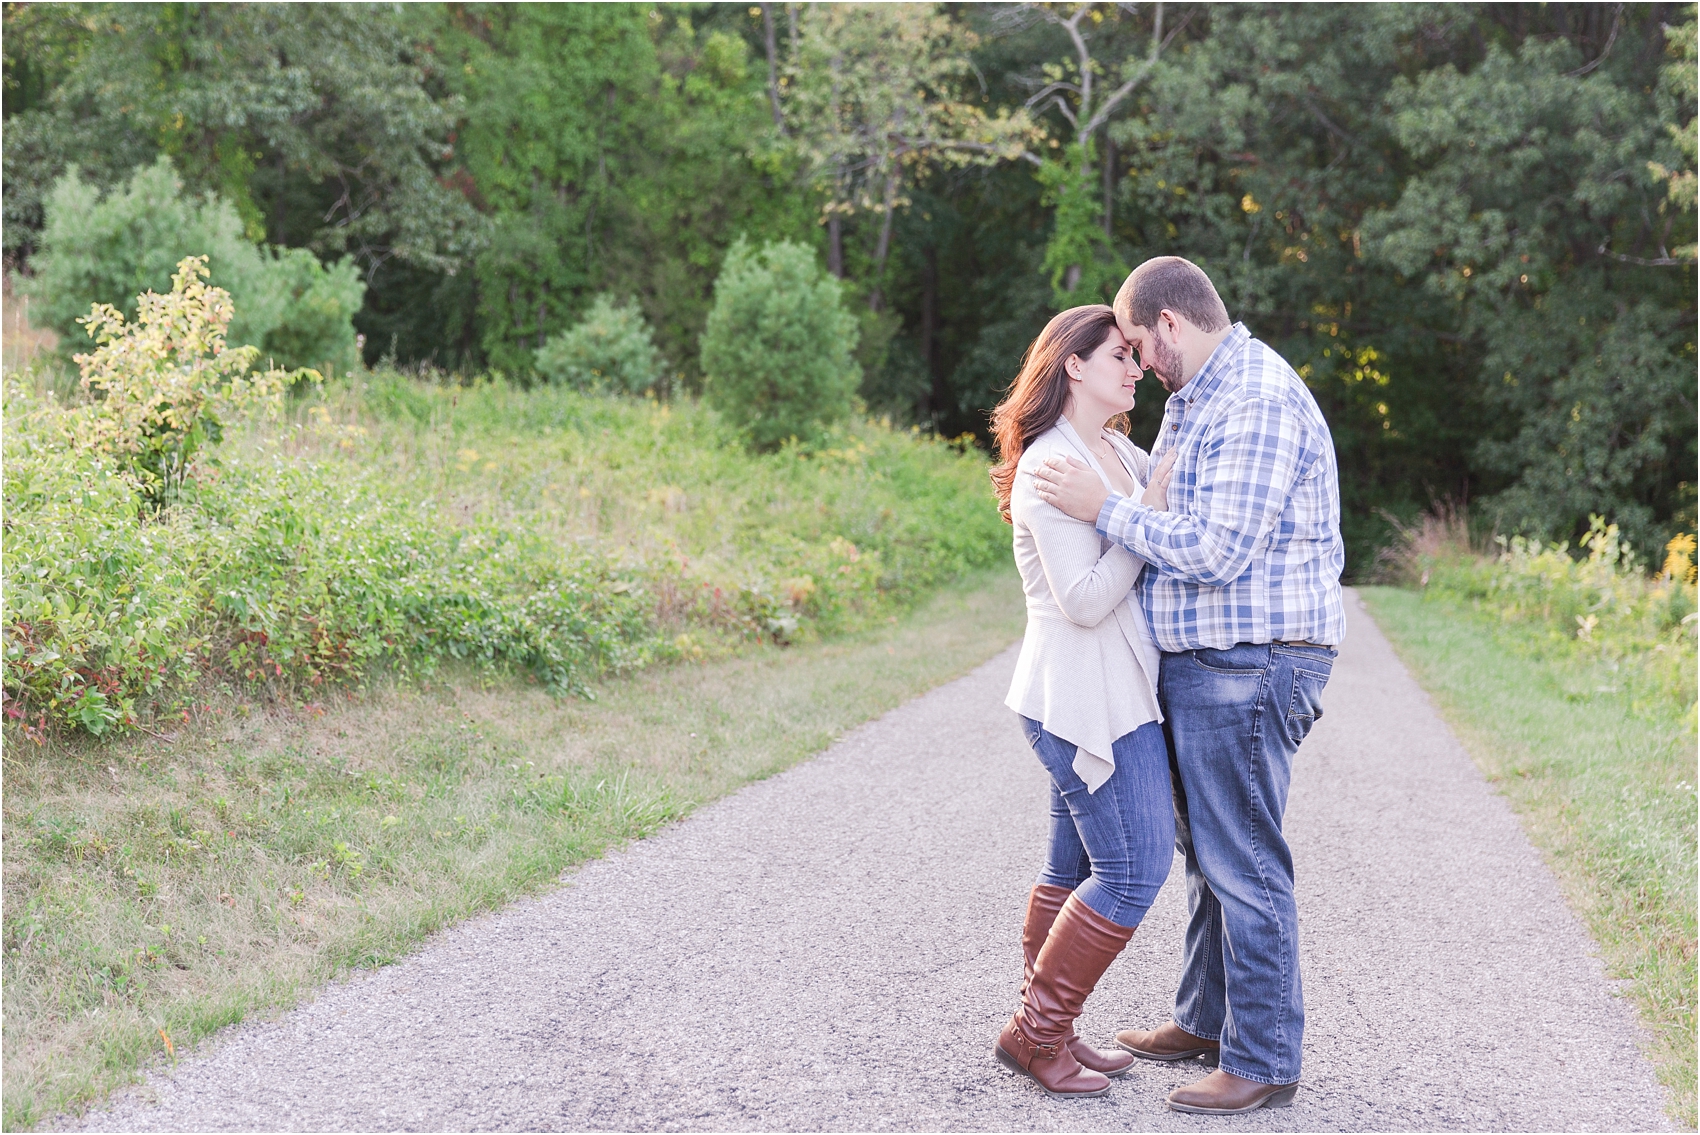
1251,551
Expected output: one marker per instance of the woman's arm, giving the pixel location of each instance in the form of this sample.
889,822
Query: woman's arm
1087,586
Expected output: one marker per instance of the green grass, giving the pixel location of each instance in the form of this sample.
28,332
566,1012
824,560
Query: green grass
165,887
389,524
1603,777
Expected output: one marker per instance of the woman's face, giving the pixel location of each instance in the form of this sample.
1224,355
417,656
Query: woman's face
1104,381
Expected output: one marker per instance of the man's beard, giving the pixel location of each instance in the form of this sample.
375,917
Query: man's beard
1166,363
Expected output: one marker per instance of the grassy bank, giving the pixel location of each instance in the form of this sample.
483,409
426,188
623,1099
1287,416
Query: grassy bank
162,887
1585,719
388,525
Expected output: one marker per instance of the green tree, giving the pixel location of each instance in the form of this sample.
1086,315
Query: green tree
109,248
1538,214
336,150
611,348
1338,197
546,143
1104,40
875,96
167,380
616,149
777,351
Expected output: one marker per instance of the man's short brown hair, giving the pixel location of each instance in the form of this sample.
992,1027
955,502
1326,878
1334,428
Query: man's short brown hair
1173,283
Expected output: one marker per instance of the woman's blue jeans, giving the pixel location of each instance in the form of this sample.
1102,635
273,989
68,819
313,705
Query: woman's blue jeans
1235,719
1113,847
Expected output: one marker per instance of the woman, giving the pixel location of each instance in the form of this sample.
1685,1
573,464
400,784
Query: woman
1086,689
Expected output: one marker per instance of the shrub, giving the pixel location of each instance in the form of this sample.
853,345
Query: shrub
164,380
611,348
315,303
397,524
374,532
777,350
1600,608
110,249
100,609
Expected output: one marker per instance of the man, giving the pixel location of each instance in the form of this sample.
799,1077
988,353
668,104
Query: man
1243,596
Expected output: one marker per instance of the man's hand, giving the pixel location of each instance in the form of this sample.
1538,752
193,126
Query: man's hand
1072,487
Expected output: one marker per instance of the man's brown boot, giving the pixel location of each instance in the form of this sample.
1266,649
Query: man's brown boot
1079,948
1042,907
1168,1042
1223,1093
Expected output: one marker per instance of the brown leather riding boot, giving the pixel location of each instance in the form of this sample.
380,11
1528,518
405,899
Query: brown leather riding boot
1223,1093
1042,907
1168,1042
1079,948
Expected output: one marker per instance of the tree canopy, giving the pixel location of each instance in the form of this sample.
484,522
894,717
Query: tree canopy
1470,227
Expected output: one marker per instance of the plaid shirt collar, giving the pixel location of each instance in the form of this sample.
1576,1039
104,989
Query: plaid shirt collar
1218,364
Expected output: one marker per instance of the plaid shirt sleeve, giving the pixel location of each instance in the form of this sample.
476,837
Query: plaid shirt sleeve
1247,464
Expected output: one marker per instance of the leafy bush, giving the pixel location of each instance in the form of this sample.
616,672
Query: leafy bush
611,348
777,347
100,608
395,524
110,249
164,380
316,305
278,574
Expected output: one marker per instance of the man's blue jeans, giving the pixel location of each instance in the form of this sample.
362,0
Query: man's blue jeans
1112,847
1235,718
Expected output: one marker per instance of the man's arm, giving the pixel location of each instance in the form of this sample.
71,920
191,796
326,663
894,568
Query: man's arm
1247,466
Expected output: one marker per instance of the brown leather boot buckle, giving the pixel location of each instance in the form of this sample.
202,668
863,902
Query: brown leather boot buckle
1032,1049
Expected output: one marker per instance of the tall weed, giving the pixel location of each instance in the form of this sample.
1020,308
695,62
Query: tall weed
1597,607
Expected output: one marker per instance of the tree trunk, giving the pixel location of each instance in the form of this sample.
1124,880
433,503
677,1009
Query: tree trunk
772,67
929,304
1109,186
835,245
279,212
876,298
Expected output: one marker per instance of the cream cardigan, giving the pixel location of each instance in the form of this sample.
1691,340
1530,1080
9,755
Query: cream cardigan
1088,665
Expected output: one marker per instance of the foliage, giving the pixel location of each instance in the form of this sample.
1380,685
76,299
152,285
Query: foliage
494,168
1338,199
547,177
1082,263
166,380
637,189
316,302
876,95
777,349
1080,255
1600,609
611,348
335,150
110,248
1533,230
395,525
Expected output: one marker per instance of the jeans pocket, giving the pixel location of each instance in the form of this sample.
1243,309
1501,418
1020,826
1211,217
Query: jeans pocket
1304,709
1244,660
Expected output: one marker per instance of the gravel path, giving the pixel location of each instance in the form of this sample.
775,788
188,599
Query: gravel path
835,948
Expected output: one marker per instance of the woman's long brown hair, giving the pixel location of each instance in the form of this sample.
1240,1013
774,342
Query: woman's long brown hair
1037,396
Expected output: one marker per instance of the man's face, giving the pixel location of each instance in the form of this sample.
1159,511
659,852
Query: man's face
1158,352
